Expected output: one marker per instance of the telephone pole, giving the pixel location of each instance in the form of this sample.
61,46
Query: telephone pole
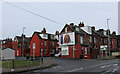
108,36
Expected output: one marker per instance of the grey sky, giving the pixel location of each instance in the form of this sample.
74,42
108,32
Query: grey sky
93,14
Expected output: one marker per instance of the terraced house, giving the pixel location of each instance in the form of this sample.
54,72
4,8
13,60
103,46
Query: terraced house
79,41
22,47
42,43
7,43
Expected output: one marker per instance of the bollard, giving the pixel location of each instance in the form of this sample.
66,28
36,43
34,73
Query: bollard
41,59
12,66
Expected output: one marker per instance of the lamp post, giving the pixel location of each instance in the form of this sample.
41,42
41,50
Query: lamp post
108,36
23,42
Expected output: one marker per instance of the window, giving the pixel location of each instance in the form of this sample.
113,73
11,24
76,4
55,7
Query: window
44,50
66,29
29,45
81,39
94,40
82,50
44,43
33,45
85,50
77,29
52,43
53,51
90,38
17,53
89,29
44,35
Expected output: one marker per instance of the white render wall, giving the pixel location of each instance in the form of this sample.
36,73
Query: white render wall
8,53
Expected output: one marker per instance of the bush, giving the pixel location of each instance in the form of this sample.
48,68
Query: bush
31,57
27,57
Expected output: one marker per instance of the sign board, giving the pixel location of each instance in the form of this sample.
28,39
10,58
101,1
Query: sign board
67,39
65,51
103,47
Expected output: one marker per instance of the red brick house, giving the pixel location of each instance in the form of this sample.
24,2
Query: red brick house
18,45
42,43
7,43
74,41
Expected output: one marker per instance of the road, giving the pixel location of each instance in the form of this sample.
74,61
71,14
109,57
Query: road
84,65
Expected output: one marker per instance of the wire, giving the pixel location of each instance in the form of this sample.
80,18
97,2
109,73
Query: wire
34,13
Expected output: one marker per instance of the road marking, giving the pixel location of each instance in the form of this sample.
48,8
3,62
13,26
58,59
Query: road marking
75,70
57,67
105,66
108,71
115,64
114,70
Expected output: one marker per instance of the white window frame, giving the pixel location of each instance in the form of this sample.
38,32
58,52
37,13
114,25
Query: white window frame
94,40
17,53
85,50
34,46
90,38
66,29
45,43
44,50
53,43
81,39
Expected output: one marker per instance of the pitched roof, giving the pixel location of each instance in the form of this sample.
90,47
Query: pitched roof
37,33
73,29
26,39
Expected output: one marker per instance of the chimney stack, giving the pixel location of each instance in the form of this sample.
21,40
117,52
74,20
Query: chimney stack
81,24
57,33
93,28
23,35
113,33
72,24
44,31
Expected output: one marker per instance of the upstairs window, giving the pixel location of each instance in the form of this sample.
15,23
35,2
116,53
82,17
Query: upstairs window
44,43
66,29
44,35
90,38
33,45
53,43
77,29
94,40
81,39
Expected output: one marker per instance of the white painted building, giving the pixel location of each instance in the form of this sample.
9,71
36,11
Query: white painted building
7,54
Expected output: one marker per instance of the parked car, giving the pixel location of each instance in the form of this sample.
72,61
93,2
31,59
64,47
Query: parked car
58,54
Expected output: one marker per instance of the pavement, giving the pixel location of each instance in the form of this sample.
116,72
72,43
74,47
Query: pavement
82,66
46,64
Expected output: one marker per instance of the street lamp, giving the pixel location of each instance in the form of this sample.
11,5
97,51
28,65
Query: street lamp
23,42
108,36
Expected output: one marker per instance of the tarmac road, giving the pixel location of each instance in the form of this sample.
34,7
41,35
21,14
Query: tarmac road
84,65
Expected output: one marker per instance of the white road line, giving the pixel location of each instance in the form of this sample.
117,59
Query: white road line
75,70
57,67
115,64
105,66
114,70
108,71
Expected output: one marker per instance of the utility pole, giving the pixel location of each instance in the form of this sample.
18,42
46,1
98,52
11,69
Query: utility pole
108,36
23,42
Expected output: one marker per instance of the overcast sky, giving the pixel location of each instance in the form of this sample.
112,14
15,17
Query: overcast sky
92,14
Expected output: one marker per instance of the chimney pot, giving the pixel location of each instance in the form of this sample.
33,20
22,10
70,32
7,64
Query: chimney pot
72,24
81,24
